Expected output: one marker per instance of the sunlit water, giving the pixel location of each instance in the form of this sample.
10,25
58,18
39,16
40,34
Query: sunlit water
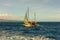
17,31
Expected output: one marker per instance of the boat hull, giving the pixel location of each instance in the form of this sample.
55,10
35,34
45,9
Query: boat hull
28,25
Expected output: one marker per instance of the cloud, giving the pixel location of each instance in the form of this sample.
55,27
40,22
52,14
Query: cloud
6,4
56,16
20,1
41,1
9,17
45,1
46,13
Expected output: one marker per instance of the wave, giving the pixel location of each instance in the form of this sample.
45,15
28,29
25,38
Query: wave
19,37
4,35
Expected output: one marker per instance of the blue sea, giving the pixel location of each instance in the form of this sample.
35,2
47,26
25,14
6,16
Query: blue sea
17,31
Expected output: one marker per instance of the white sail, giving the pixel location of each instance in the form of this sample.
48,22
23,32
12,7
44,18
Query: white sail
26,20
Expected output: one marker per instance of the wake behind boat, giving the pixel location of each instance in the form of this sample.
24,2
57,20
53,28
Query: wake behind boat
27,22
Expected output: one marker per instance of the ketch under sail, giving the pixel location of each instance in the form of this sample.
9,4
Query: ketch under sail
26,20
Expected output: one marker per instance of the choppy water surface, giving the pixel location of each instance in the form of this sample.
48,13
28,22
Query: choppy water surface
16,31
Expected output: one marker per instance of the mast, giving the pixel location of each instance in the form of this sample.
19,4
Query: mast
35,17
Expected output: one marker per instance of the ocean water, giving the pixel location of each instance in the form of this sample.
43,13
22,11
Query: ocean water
17,31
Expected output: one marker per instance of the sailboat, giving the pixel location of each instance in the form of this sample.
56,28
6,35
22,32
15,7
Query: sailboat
27,22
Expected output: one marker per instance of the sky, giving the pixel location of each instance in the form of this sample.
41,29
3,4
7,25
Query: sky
46,10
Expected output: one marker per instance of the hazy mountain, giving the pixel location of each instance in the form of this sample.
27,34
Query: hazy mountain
6,20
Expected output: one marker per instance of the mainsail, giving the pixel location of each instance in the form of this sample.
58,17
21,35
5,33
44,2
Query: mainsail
26,16
35,17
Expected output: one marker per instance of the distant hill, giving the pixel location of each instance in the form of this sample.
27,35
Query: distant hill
5,20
